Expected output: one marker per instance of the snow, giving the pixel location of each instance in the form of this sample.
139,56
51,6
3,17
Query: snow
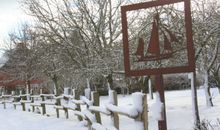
59,97
86,100
48,102
157,108
37,110
68,96
24,95
47,95
41,91
97,126
87,93
137,100
178,107
129,111
132,112
6,96
35,96
89,115
66,91
111,96
25,101
87,83
54,90
70,106
150,88
87,90
33,104
73,93
58,107
100,109
77,101
80,114
108,86
32,121
16,103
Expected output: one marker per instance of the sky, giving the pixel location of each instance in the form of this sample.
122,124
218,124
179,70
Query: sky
11,16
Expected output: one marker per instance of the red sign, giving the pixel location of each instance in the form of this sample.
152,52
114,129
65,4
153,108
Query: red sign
157,38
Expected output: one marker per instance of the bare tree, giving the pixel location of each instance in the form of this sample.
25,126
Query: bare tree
21,64
206,27
86,34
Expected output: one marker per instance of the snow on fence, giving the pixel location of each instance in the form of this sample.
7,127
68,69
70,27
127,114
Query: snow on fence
45,99
5,99
138,111
91,115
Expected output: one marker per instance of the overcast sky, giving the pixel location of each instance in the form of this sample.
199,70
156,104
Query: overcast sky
11,15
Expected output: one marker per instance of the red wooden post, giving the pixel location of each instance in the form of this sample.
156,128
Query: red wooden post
162,124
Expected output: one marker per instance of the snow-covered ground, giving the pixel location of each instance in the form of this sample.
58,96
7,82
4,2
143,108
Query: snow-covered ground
178,104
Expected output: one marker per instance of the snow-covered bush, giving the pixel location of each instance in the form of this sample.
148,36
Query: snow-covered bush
207,125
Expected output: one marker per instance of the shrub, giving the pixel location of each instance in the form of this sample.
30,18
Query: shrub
207,125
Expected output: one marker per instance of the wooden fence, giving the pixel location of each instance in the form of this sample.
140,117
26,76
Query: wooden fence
91,114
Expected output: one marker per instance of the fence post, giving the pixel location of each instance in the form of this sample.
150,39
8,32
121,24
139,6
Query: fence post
114,115
4,102
95,99
32,101
76,96
15,100
144,113
32,92
43,105
74,93
14,106
79,109
66,109
22,98
66,112
58,103
22,103
143,116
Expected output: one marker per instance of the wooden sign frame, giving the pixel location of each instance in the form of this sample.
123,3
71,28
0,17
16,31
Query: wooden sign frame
190,67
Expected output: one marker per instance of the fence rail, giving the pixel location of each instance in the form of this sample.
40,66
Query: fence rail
93,111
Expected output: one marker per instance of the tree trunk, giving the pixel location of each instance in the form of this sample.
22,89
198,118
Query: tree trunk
144,83
56,85
110,81
28,84
217,78
209,102
28,89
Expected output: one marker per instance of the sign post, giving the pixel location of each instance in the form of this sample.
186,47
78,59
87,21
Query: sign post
162,124
192,77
